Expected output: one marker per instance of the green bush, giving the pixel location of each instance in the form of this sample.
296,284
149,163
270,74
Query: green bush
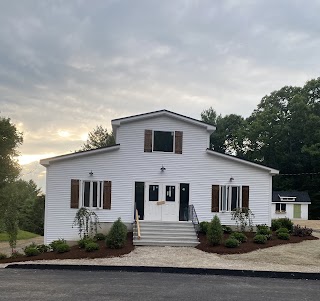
84,241
301,231
262,226
31,250
16,254
232,243
214,232
57,242
226,229
43,248
3,256
62,248
260,239
282,230
204,227
283,235
117,235
99,236
282,223
266,232
91,246
239,236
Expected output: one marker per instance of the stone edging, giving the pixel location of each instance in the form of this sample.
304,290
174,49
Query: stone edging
171,270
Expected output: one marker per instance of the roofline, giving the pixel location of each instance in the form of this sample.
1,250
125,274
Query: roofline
272,171
47,161
288,202
116,122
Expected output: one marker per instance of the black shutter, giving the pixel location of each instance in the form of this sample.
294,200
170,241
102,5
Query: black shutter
215,198
148,141
74,194
245,196
107,195
178,142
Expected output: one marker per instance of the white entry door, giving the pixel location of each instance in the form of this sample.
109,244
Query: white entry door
161,202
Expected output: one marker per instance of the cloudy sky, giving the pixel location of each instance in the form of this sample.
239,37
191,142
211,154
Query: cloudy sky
68,66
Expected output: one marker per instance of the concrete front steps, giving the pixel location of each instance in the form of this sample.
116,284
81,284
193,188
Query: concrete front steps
176,234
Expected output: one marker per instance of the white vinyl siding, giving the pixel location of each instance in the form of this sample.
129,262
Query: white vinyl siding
131,164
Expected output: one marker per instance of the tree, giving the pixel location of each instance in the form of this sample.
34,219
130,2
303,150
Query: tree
98,137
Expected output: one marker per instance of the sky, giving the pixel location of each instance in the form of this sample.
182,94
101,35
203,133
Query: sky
68,66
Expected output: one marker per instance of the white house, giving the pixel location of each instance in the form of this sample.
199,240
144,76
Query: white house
161,164
290,204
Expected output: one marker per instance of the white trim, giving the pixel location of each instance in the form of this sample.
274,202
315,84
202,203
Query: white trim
117,122
48,161
229,157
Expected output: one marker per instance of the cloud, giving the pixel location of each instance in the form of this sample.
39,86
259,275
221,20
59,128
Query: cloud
66,67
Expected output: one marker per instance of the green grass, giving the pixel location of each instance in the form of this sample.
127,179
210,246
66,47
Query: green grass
21,235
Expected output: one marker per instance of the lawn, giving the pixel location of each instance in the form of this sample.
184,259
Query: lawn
21,235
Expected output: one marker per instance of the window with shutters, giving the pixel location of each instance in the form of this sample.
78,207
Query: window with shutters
92,194
163,141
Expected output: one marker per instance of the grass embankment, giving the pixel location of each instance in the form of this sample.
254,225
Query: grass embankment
21,235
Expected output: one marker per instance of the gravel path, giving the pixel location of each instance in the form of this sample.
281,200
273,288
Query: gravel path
5,248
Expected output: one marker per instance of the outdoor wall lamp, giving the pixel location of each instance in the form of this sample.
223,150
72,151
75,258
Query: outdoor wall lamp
231,179
162,168
91,173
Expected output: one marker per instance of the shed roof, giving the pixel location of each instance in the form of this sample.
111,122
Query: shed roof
300,196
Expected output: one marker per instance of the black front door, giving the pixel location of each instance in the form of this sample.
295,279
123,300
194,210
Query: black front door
184,202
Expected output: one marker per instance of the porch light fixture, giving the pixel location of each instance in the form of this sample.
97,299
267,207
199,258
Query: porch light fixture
231,179
162,168
91,173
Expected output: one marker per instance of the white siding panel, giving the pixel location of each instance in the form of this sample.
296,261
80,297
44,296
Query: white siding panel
129,164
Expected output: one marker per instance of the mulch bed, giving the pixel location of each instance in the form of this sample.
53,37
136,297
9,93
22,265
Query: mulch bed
249,245
77,253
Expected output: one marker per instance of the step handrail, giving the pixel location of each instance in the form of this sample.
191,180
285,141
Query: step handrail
192,216
138,224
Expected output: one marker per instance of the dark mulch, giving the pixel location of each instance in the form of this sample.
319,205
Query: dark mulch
249,245
77,253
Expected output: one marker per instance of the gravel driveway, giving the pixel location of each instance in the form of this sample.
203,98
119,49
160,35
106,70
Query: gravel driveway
5,248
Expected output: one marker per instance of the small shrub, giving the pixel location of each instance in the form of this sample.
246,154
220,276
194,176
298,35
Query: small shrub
260,239
31,250
91,246
99,236
62,248
204,227
84,241
214,232
16,254
265,231
239,236
283,235
262,226
275,224
232,243
3,256
282,223
226,229
117,235
282,230
301,231
57,242
43,248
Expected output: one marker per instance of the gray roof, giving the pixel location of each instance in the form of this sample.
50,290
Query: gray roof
301,196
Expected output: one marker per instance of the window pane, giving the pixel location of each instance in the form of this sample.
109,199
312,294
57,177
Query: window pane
86,194
234,197
163,141
170,194
278,207
223,198
95,194
153,193
283,207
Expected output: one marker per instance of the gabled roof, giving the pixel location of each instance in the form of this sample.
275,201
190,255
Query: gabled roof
243,161
47,161
117,122
300,196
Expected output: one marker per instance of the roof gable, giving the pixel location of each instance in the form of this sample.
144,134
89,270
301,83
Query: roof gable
300,196
117,122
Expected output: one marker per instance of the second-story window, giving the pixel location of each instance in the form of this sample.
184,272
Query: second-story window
163,141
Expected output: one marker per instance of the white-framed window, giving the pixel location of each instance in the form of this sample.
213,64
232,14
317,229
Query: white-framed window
229,198
163,141
281,208
92,194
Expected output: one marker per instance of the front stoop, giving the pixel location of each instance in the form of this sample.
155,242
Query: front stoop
175,234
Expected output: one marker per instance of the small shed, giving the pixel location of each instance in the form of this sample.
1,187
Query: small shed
292,204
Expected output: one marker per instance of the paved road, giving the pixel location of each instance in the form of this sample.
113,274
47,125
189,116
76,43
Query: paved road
90,286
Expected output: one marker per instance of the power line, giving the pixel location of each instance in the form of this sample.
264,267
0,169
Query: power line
299,174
